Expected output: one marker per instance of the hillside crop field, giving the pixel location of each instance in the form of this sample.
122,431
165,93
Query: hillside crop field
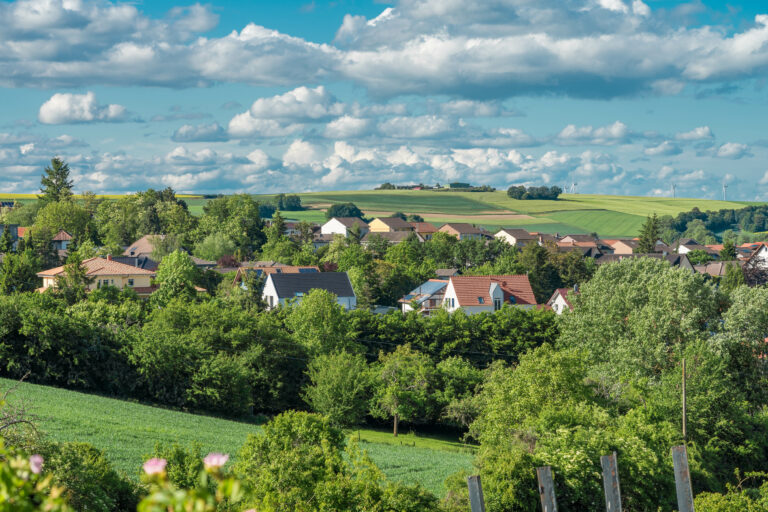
126,431
572,213
609,216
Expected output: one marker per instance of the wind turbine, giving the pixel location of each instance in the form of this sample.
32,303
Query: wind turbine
573,187
725,186
674,188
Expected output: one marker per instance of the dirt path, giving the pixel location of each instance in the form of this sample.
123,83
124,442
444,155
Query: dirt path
472,218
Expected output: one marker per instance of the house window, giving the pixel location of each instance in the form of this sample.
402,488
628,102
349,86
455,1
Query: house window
496,304
481,300
453,303
130,282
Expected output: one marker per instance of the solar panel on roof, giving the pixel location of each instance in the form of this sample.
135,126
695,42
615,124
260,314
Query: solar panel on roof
307,270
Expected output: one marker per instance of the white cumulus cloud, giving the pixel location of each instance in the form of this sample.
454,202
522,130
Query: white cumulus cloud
64,108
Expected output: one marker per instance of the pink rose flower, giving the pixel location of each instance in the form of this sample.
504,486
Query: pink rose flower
36,463
155,466
215,460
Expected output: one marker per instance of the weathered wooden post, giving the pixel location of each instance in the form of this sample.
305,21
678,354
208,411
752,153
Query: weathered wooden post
611,483
682,479
546,489
476,500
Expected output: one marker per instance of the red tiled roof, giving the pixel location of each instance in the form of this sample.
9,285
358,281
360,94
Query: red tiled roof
563,292
101,267
423,227
460,227
470,288
62,236
141,246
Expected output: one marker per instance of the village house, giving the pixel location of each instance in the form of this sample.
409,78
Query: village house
393,237
676,260
716,268
342,225
426,298
144,262
559,301
271,269
516,237
424,229
103,272
759,257
13,229
280,289
577,238
61,241
478,294
462,231
143,246
389,225
587,249
686,245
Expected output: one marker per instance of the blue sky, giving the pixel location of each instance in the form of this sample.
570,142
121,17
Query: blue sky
616,96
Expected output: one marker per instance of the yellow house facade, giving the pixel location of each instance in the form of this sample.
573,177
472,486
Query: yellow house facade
389,225
104,272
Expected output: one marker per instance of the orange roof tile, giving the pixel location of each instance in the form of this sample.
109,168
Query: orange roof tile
470,288
101,267
62,236
423,227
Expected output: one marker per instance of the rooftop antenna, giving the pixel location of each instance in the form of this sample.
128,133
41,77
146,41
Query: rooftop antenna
674,188
725,186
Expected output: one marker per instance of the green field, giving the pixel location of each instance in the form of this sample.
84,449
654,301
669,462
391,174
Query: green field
126,431
572,213
609,216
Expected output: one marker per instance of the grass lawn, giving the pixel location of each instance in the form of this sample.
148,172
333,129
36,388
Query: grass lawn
126,431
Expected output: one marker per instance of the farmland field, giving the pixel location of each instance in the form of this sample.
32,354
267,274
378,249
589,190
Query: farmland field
126,431
572,213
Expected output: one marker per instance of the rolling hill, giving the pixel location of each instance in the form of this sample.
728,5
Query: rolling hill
127,431
572,213
609,216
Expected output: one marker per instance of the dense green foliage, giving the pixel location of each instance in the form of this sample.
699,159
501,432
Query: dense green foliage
343,210
521,192
611,383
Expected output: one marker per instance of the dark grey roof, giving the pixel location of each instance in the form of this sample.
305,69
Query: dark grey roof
674,259
292,285
143,262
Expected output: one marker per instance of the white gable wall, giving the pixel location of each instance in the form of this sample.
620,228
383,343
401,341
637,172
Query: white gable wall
333,227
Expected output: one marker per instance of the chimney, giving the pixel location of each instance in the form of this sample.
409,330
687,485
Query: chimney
109,257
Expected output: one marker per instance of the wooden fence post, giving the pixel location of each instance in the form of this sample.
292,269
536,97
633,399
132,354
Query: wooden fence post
546,489
476,500
682,479
611,483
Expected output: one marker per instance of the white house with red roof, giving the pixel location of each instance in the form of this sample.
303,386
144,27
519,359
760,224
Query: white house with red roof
479,294
559,301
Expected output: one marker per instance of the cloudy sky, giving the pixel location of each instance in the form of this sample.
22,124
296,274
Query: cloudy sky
616,96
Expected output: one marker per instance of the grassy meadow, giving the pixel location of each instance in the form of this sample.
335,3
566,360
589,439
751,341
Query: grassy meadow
126,431
572,213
